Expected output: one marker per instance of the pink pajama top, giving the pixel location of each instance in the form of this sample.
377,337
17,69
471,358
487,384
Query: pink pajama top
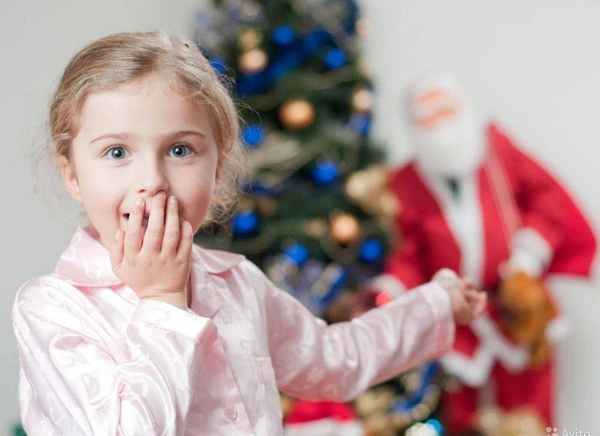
95,360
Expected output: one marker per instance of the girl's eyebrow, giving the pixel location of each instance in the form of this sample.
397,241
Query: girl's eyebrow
111,136
182,133
171,136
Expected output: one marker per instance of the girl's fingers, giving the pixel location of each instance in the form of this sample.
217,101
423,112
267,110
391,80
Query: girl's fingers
154,232
116,250
466,285
473,294
470,294
186,240
171,233
478,304
133,239
480,307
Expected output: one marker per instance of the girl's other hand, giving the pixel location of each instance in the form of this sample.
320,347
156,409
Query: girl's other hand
467,302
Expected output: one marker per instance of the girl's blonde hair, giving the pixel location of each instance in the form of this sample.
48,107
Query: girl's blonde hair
118,59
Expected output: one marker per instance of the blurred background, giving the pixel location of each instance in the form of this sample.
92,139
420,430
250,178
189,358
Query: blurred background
532,67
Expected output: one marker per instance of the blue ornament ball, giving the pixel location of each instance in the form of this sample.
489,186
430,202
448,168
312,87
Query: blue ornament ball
361,124
253,135
283,35
325,172
298,253
335,58
437,425
371,251
245,223
313,40
219,64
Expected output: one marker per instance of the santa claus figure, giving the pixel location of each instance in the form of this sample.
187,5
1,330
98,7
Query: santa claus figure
474,202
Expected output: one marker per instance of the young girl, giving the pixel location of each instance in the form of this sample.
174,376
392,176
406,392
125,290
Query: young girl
138,331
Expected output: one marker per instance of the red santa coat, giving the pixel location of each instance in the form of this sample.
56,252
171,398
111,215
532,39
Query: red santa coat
509,197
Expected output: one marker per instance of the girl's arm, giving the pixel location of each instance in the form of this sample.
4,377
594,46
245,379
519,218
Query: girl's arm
78,380
319,362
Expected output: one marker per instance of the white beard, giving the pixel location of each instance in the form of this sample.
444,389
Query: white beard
454,149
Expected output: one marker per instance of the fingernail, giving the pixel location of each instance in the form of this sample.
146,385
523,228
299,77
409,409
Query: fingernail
138,202
172,199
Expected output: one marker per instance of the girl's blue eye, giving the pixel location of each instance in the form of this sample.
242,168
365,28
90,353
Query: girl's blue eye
181,150
117,153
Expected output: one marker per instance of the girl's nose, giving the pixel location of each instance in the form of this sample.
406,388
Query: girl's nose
153,179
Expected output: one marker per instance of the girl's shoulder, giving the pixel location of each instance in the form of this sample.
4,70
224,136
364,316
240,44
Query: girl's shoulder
236,269
49,287
216,261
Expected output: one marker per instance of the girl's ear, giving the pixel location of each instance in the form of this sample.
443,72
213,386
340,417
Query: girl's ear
69,178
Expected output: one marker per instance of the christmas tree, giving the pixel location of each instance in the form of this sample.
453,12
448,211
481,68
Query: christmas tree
316,214
316,209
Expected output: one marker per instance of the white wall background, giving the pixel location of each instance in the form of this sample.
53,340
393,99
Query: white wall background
534,66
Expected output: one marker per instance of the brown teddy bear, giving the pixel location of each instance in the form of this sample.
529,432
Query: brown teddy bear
527,308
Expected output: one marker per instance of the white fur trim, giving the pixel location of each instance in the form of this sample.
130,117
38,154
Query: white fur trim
558,329
386,283
474,371
325,427
514,358
465,220
502,195
531,252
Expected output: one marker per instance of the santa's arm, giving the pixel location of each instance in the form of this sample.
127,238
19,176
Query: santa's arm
541,204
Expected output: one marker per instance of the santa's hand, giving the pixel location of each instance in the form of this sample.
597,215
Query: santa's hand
467,302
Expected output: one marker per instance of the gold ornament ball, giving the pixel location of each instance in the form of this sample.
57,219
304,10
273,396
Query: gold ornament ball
366,404
384,398
247,204
287,405
266,206
250,39
356,187
253,61
367,183
389,204
297,114
364,68
378,425
363,100
363,27
345,228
